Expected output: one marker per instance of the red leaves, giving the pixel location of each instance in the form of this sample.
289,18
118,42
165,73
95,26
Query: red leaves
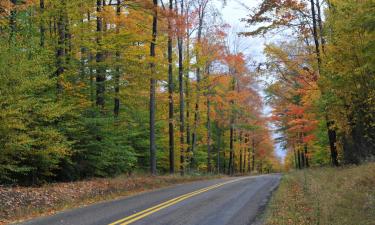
308,138
295,110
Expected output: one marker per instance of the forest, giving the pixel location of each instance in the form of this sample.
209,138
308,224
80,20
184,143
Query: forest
323,95
109,87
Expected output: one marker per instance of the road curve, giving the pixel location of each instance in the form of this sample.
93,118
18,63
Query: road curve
227,201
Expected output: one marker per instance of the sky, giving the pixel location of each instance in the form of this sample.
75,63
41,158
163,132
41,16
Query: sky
232,14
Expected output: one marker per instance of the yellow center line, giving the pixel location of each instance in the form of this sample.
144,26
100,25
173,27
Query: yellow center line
146,212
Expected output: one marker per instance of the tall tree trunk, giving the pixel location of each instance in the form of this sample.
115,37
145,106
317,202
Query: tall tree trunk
253,154
329,123
100,71
91,74
249,154
153,90
91,70
13,22
322,40
209,167
315,34
218,151
170,92
306,156
198,77
244,154
231,150
240,145
225,162
208,135
68,37
188,101
332,143
303,157
61,46
181,92
295,157
116,107
231,137
42,23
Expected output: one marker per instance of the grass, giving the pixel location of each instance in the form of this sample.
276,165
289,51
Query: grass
20,203
325,196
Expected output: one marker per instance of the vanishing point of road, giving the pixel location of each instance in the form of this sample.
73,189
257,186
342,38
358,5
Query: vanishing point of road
227,201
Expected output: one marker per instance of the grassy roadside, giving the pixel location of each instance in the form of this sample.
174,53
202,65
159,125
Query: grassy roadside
20,203
325,196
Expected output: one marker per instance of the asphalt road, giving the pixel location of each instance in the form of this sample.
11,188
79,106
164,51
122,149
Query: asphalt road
228,201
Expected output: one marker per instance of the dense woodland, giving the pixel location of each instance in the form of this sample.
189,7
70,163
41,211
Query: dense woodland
323,94
100,88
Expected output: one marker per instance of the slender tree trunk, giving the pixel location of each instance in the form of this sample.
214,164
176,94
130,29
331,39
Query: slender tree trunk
198,77
60,52
181,92
12,23
306,156
91,71
315,34
249,160
322,40
68,37
116,108
187,94
253,154
305,153
218,152
153,90
248,147
231,137
231,150
42,23
303,159
225,162
332,143
170,92
329,123
295,157
208,135
244,155
241,165
100,71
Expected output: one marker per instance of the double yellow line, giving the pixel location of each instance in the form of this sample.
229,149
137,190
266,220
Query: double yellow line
137,216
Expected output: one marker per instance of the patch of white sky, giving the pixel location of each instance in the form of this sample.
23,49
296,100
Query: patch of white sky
253,47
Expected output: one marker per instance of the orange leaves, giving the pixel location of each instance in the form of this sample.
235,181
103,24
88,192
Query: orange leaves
308,138
295,110
236,62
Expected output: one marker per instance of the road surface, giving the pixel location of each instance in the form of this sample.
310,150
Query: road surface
227,201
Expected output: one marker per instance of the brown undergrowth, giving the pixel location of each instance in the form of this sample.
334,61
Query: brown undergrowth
325,196
19,203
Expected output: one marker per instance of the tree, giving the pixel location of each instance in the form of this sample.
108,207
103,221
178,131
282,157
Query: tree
170,90
153,89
